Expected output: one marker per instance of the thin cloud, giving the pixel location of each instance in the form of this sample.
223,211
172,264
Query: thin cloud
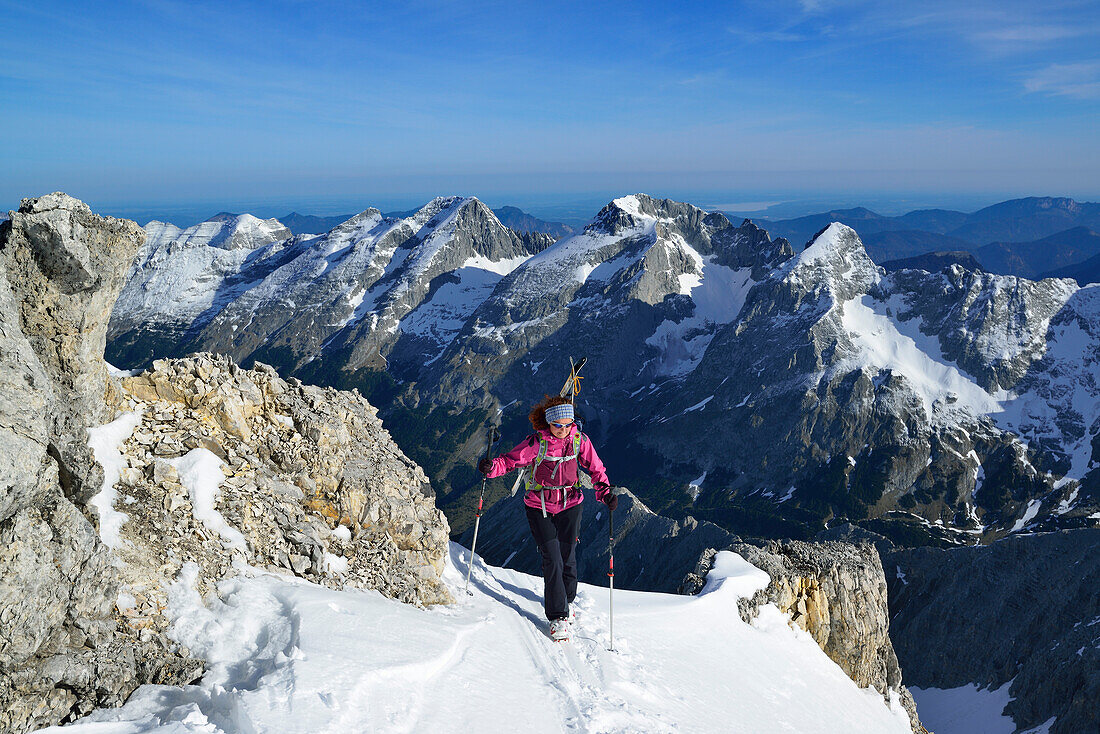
1069,80
1032,33
749,35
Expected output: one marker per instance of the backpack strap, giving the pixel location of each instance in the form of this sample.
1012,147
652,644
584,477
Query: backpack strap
532,486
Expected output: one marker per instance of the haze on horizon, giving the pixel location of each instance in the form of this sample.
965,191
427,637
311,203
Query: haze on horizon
145,104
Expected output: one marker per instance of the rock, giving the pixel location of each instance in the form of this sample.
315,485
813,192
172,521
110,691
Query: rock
62,649
299,459
66,267
837,593
1024,609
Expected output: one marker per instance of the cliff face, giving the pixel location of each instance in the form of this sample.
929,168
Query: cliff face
112,485
61,649
837,593
1025,610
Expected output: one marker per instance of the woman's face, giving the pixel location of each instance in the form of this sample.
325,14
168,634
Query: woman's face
560,428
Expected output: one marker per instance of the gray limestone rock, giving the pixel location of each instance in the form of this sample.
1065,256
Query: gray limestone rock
62,650
300,463
63,265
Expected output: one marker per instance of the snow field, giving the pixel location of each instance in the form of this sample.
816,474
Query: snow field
289,656
969,710
883,347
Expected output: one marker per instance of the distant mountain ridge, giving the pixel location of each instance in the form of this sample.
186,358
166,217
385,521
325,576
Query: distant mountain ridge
1017,220
1033,259
933,262
1085,272
1022,237
520,221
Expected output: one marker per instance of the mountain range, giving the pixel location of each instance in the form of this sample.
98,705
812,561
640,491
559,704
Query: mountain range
731,377
512,217
1028,237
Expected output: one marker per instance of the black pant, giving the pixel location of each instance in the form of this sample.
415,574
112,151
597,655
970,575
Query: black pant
556,536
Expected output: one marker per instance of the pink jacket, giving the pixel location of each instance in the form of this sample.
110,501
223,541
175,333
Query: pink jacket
527,450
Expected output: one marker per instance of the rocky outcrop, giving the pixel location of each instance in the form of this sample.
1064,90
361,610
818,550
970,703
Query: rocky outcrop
837,593
112,483
299,479
62,651
1023,609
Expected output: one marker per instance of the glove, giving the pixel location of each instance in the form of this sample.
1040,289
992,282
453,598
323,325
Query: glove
611,500
485,465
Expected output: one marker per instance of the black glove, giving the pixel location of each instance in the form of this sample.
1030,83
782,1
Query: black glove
485,465
611,500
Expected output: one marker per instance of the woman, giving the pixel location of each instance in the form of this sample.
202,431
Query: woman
553,499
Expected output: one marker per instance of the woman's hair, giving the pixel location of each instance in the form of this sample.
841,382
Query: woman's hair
537,417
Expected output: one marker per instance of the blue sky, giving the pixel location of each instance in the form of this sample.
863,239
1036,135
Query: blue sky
326,104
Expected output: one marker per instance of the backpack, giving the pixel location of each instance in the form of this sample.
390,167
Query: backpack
532,485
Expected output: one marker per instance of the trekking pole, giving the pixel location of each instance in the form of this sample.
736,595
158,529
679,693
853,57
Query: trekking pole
611,579
493,435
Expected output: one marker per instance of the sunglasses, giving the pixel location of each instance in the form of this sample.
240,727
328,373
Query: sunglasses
561,425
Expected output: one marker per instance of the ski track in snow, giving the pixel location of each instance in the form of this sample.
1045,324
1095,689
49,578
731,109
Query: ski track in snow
289,656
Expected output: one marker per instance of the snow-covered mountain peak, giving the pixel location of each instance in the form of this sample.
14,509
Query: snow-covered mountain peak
158,233
239,231
636,211
834,259
223,231
435,207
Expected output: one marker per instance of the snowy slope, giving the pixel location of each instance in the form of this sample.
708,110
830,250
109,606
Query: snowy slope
288,656
225,286
179,274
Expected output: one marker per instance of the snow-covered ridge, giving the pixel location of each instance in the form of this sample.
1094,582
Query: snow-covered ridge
288,656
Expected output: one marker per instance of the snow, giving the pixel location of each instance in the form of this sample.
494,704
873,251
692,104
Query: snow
500,267
116,372
343,532
719,294
178,275
880,346
1029,515
700,405
1067,504
696,486
105,442
441,318
200,472
125,602
1057,405
334,564
288,656
964,710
